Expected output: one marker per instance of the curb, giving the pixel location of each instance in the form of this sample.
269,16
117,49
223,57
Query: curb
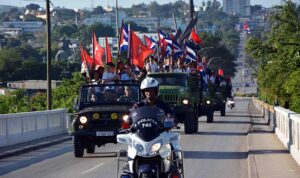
252,167
33,147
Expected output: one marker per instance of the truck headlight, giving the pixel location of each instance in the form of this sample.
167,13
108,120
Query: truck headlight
207,102
125,118
83,119
185,101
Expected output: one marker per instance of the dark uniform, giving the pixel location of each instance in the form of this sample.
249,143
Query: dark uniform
158,103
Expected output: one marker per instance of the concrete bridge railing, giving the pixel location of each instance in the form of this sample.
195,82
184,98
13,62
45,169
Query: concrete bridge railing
285,124
23,127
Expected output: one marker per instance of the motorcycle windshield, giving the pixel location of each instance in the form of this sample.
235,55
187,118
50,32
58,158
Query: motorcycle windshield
147,122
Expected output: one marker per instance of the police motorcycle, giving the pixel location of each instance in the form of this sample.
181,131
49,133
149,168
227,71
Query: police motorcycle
153,151
230,103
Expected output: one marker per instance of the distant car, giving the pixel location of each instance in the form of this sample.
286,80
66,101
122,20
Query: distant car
247,85
100,113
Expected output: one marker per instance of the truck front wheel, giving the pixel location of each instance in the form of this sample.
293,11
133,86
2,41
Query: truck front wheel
91,149
190,123
78,147
210,116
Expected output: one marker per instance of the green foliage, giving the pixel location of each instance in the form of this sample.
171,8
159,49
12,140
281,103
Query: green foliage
277,54
292,86
9,60
65,94
62,97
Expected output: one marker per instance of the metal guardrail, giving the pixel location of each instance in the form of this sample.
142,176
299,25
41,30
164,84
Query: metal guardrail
285,124
24,127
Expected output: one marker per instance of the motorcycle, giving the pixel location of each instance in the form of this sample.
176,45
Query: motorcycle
230,103
153,151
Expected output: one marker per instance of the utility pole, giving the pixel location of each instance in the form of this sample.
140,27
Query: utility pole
49,97
117,19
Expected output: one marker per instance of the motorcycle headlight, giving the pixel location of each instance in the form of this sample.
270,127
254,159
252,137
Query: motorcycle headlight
207,102
155,147
83,119
185,101
139,148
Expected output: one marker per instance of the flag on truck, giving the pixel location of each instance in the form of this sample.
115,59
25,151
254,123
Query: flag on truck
151,43
139,52
195,38
98,52
124,38
189,55
107,52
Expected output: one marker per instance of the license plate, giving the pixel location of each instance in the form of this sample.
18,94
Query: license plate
104,133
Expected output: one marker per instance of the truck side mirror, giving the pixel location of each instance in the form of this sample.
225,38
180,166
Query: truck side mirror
76,104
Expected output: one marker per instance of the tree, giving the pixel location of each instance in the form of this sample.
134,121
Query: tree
9,61
277,55
33,7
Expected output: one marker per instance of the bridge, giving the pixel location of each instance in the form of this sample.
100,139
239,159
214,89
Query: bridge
253,140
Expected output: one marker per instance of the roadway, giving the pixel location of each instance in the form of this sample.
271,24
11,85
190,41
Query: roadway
219,149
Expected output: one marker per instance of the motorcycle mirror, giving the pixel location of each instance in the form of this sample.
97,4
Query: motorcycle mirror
123,153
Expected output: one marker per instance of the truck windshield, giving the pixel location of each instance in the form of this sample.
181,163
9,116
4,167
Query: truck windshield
175,80
109,94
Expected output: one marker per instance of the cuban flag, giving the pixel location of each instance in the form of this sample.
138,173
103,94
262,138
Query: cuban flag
124,38
190,55
151,43
246,27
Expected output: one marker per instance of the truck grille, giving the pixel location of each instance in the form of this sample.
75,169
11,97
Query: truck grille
169,98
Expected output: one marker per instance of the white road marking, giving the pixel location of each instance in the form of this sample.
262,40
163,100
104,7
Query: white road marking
89,170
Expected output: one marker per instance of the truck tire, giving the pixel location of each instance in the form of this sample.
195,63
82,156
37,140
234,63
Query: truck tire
196,115
210,116
90,149
189,123
78,147
223,110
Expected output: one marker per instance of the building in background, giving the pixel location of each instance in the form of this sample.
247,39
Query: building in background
241,7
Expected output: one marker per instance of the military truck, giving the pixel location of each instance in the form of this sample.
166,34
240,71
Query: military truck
100,114
213,98
181,92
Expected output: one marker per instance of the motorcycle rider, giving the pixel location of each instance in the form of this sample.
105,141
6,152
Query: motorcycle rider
150,91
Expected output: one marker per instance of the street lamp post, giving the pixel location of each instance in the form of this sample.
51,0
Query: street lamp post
212,59
49,96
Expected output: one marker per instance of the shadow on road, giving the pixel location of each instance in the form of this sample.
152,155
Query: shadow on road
101,155
269,152
214,155
232,122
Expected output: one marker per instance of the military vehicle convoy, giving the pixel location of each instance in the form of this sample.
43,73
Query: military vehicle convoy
189,99
181,92
100,112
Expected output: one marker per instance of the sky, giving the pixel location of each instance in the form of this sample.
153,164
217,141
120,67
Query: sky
124,3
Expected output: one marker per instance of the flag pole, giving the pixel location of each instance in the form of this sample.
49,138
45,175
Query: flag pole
93,44
129,60
119,44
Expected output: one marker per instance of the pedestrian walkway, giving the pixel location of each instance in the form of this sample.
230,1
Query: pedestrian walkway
268,158
32,145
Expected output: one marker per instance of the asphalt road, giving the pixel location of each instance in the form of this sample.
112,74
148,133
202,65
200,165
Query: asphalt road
218,150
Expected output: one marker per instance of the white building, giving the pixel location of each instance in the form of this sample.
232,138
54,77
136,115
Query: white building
149,22
26,26
241,7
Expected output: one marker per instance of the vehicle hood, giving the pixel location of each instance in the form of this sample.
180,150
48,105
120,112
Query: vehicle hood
171,89
106,108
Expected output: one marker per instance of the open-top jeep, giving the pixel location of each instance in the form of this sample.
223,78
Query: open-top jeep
99,114
181,92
